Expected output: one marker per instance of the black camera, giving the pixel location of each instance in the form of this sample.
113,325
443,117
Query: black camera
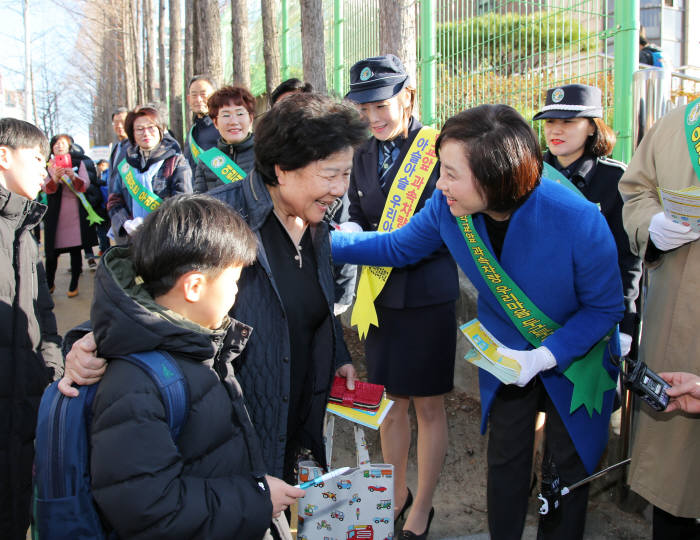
551,488
646,384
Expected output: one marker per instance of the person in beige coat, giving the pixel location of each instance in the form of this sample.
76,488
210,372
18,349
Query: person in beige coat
665,468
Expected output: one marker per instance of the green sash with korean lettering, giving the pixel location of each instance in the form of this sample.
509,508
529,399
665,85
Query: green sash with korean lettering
401,202
195,149
222,166
142,196
590,379
692,133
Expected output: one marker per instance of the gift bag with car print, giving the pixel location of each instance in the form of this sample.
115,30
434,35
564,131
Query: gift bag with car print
358,504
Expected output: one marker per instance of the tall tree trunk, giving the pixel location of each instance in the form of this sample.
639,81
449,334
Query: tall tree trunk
240,44
162,70
189,39
176,81
149,50
271,51
397,32
137,23
206,55
129,50
312,43
189,50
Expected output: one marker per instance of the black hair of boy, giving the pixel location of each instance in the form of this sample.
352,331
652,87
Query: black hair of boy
17,134
186,233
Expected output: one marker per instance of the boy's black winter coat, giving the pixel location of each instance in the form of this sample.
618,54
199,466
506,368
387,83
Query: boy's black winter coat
211,483
30,355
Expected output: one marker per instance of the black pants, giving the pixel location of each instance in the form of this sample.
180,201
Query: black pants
509,457
669,527
76,266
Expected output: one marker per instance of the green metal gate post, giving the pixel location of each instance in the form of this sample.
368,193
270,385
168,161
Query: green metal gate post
428,52
284,41
338,64
626,63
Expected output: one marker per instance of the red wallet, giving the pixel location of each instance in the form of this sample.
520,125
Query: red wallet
365,396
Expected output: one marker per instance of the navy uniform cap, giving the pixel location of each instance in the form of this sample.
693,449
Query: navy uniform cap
572,101
376,79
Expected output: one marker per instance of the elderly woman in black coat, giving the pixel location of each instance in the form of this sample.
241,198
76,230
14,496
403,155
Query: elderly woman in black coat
303,155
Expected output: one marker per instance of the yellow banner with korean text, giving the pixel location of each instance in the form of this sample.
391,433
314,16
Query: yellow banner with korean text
406,190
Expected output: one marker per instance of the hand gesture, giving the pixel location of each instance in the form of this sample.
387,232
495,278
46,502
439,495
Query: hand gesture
282,494
82,366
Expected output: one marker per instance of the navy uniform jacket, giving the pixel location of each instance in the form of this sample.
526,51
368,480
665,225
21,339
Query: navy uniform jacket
205,135
434,279
597,178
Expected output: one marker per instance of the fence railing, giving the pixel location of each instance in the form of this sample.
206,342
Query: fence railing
490,51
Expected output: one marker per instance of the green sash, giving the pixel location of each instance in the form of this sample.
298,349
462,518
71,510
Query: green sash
147,199
92,216
692,133
194,147
589,377
222,166
550,172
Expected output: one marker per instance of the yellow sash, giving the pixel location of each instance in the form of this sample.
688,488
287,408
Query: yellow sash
405,192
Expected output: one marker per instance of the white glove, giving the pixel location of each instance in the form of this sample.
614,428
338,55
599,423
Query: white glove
531,362
131,225
349,226
339,309
668,235
625,344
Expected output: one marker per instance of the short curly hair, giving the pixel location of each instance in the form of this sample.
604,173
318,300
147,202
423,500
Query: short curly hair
227,95
146,110
303,128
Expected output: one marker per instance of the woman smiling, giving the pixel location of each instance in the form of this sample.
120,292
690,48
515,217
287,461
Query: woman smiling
231,109
157,167
527,244
303,156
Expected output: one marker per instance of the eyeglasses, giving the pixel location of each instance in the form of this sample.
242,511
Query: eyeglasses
143,129
227,116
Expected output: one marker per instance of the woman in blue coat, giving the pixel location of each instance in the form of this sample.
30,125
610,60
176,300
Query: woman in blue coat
418,300
557,249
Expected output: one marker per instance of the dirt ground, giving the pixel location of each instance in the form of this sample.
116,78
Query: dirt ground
460,501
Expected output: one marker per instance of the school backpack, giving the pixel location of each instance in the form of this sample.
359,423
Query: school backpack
652,56
62,505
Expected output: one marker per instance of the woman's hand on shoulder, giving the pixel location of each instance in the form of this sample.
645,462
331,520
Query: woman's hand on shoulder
82,366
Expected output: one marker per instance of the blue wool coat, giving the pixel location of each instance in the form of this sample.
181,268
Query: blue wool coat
559,250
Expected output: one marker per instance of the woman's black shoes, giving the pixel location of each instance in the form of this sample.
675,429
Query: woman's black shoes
410,535
406,505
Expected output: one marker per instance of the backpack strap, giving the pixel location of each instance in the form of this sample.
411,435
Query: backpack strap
169,166
168,377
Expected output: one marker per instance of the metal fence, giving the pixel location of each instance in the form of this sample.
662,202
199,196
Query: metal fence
486,51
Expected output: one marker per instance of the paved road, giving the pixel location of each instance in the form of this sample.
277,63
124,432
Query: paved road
72,311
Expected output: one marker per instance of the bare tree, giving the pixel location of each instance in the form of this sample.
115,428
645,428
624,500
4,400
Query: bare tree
150,48
129,54
189,50
239,41
162,68
136,24
271,51
189,39
397,32
176,82
312,46
206,54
